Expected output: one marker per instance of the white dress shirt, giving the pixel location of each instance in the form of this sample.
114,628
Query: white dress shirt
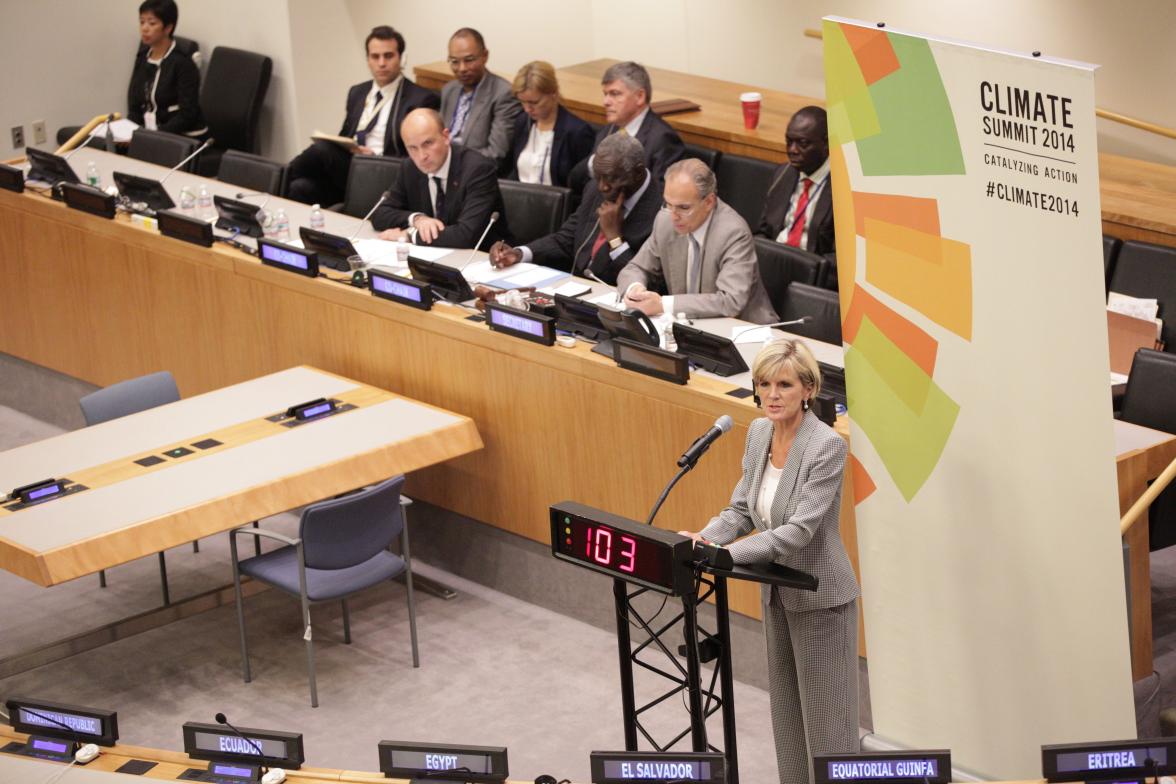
768,486
634,125
699,234
443,173
534,161
388,94
820,177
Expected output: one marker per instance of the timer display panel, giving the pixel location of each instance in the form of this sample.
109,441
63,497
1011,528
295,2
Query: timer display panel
622,548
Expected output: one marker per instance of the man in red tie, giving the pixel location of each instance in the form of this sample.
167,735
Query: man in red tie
613,221
798,210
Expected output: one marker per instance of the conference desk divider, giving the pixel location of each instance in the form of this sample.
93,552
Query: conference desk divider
104,300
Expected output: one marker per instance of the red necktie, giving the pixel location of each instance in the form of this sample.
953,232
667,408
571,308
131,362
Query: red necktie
797,230
600,240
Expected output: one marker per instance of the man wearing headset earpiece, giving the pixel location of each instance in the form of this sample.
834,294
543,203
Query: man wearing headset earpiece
375,110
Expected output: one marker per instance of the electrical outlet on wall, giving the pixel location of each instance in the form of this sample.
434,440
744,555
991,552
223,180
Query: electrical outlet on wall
18,136
39,132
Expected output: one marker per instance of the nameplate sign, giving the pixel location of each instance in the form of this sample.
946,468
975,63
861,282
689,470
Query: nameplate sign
406,291
1127,760
931,767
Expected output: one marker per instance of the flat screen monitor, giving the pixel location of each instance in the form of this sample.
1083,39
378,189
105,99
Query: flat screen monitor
447,282
332,249
142,190
50,168
237,215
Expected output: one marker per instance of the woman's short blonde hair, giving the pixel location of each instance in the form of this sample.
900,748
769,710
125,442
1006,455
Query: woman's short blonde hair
787,351
536,75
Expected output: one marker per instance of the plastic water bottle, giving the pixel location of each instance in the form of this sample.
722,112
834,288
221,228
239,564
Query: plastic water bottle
317,219
93,178
281,225
204,201
187,200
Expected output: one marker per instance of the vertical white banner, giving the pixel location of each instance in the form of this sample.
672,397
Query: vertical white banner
965,187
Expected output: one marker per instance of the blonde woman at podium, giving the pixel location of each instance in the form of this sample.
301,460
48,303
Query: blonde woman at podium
787,508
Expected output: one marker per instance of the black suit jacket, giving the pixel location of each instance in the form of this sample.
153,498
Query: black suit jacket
662,144
573,143
471,195
578,234
177,96
771,223
412,96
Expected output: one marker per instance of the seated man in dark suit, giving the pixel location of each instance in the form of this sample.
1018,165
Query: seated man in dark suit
701,251
627,93
798,210
375,110
478,107
621,200
445,194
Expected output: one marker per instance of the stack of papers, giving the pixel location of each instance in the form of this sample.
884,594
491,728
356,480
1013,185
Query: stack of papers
1136,307
122,130
518,276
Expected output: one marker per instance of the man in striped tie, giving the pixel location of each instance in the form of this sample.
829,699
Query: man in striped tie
798,209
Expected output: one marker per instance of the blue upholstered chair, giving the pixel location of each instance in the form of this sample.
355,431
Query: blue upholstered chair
341,549
125,398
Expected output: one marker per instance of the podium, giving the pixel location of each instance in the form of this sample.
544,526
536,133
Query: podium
641,559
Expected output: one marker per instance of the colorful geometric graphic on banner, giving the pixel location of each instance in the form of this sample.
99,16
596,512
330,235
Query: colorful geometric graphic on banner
886,98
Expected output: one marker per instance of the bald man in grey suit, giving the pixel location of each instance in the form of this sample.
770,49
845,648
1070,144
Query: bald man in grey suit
701,250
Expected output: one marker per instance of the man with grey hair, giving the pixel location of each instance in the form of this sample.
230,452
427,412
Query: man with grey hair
701,251
613,221
627,94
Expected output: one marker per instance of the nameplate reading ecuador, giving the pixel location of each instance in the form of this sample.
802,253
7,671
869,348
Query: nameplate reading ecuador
271,748
932,767
521,323
406,291
287,257
1127,759
615,767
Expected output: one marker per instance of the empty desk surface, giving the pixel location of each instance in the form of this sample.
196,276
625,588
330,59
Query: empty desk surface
260,467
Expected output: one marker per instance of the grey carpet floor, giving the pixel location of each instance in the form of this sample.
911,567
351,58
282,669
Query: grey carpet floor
494,670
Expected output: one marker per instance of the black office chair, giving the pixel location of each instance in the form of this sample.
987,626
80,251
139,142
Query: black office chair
821,306
1111,246
743,183
533,210
781,265
253,172
185,46
705,154
1148,402
162,148
1146,270
341,549
231,97
368,177
827,274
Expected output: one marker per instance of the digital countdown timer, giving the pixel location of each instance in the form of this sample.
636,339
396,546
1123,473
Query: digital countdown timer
622,548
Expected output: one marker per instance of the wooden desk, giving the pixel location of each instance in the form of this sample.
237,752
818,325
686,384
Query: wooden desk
103,301
718,124
260,468
1138,197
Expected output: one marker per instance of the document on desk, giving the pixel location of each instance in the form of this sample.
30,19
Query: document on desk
373,250
607,300
427,253
517,276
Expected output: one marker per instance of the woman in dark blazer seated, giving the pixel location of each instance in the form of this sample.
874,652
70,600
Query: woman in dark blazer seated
548,140
164,93
788,505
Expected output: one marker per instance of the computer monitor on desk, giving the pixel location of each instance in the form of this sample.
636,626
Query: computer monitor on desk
50,168
143,190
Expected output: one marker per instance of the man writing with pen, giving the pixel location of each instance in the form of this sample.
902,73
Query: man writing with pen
615,218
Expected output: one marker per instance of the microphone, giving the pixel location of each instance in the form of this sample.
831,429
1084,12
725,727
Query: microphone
383,197
250,195
175,168
109,133
792,323
703,442
591,234
474,252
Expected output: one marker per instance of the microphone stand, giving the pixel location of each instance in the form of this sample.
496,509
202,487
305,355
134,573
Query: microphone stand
661,499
